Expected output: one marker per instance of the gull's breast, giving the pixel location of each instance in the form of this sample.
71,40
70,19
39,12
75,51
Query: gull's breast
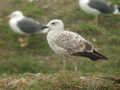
13,25
51,37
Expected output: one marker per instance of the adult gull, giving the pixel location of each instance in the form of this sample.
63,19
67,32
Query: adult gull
24,26
69,44
97,7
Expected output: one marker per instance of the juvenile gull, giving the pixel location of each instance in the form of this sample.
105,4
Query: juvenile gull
68,43
97,7
24,26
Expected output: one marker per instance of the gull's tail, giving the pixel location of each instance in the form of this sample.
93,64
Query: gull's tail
119,9
94,56
116,10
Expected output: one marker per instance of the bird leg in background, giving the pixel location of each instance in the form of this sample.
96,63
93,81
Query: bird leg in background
97,19
64,65
23,45
74,64
23,41
20,39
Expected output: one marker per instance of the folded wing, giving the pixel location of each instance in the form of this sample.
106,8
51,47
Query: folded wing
75,45
29,25
102,6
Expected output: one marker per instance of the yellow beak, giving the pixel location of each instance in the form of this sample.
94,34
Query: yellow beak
8,17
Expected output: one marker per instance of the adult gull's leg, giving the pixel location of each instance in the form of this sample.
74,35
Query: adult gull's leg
23,41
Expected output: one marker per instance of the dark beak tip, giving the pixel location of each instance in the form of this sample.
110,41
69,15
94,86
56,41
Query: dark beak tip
44,27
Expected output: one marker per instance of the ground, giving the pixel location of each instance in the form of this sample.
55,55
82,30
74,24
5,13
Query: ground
36,67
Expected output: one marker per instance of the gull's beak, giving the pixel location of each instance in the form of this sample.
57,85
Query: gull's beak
8,17
45,29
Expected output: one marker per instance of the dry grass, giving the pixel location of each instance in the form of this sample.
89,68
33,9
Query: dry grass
59,81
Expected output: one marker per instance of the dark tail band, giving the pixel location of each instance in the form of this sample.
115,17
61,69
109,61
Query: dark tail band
94,56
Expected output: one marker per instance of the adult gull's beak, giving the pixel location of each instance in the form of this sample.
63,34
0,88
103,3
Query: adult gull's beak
8,17
45,29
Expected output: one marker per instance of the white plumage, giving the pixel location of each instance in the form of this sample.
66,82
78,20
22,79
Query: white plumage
15,17
24,25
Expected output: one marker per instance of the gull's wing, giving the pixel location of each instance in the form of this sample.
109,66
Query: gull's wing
76,45
102,6
72,42
29,25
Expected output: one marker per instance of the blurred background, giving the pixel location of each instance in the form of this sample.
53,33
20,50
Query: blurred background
37,57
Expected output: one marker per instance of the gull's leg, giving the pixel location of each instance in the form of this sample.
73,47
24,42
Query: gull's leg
97,19
64,62
23,45
64,65
26,40
20,39
23,42
74,65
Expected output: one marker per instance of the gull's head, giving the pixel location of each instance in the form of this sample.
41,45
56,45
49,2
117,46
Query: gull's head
16,14
56,24
53,25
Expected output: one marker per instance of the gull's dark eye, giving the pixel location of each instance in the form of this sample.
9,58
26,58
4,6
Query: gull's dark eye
53,23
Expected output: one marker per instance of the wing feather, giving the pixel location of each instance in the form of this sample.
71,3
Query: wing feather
29,25
102,6
72,42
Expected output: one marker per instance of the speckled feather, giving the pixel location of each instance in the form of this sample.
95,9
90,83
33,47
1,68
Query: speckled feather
70,42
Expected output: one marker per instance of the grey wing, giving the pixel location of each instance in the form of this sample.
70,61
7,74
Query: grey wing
29,25
73,43
102,6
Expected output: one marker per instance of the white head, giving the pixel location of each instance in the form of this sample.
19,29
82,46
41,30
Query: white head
16,14
55,24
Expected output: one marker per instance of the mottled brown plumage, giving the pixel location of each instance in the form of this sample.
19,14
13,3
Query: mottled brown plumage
69,43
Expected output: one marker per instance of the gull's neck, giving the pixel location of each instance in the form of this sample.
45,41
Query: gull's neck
57,30
18,18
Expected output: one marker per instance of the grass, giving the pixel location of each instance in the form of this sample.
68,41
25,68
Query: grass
59,81
25,63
